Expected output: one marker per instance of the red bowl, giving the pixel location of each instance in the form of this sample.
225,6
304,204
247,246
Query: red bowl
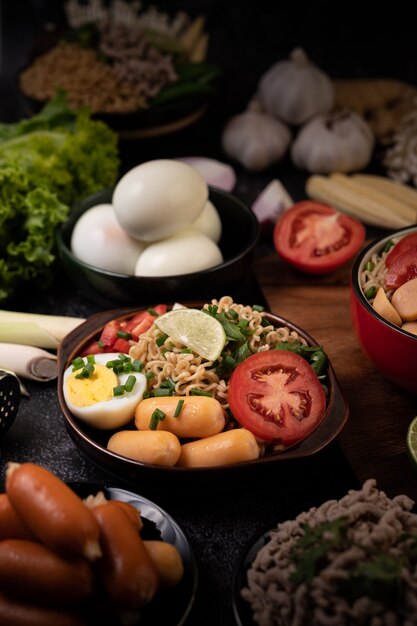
392,350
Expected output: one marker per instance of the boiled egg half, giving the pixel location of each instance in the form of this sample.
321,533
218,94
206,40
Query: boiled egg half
92,398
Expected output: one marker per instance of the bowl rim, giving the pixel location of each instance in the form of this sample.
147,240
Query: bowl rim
65,229
358,264
337,407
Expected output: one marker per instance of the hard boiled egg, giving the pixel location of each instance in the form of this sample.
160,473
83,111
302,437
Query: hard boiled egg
159,198
185,253
92,399
99,240
208,222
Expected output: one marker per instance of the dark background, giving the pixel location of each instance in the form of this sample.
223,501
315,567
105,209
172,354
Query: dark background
246,38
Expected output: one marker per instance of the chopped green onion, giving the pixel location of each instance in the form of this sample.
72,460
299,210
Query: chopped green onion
130,383
127,367
371,293
178,408
211,310
137,365
186,351
86,371
232,314
124,335
258,307
119,390
149,375
200,392
169,384
370,266
153,312
243,323
145,394
111,364
265,322
161,339
156,417
100,344
91,358
123,357
162,392
77,364
388,246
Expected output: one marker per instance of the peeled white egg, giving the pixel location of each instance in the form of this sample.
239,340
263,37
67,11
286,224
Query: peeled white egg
91,399
99,240
208,223
159,198
183,254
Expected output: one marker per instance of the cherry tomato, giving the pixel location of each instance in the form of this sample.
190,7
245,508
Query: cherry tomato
316,238
110,341
407,242
277,396
402,269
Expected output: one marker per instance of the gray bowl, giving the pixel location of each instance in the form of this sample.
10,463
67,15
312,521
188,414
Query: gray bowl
240,232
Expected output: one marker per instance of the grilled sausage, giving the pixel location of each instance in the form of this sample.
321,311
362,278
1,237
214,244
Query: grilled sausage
52,511
126,569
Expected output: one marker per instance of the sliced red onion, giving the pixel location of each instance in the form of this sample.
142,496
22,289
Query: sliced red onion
271,202
214,172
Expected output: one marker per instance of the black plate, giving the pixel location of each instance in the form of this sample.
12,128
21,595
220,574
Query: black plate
169,607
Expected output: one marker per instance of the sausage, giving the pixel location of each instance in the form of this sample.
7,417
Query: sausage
126,570
167,561
32,572
132,512
410,327
146,446
200,416
384,307
11,526
232,446
404,300
13,613
52,511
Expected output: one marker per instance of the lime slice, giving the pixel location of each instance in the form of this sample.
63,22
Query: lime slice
199,331
412,440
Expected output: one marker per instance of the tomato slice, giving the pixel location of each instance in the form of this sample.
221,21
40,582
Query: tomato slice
407,242
109,334
276,394
316,238
402,269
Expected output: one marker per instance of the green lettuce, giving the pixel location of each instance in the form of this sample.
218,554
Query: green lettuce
47,163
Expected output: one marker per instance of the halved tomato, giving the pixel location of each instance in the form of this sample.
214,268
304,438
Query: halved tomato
316,238
402,269
407,242
277,396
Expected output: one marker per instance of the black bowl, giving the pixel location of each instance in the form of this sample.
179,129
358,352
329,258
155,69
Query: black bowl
240,232
93,442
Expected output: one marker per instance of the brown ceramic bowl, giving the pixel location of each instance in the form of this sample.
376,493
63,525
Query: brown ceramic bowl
92,442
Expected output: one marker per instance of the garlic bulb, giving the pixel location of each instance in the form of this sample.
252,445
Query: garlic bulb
295,90
341,141
255,139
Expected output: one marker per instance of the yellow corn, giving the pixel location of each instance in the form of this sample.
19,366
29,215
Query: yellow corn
399,191
354,203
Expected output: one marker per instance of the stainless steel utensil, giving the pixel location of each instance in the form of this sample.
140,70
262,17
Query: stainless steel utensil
9,400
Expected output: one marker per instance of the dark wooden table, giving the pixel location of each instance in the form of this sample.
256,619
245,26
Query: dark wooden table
374,439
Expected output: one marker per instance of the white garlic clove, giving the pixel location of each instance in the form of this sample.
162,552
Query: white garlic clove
295,90
255,139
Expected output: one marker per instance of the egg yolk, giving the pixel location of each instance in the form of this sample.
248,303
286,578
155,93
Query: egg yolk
98,387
